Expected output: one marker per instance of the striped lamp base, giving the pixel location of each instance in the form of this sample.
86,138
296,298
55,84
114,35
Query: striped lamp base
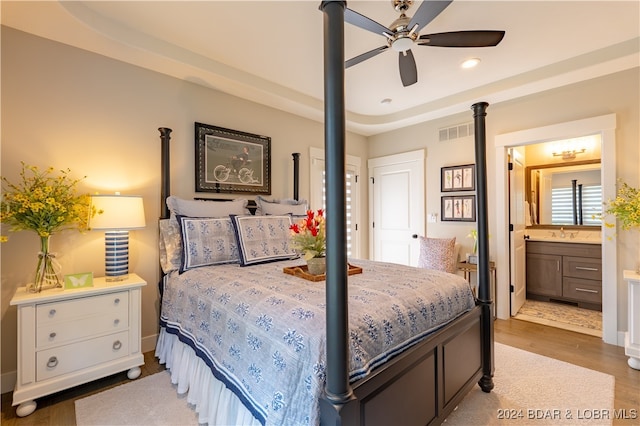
116,255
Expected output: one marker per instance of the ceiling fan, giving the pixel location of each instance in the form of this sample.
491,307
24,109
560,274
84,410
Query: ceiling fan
404,32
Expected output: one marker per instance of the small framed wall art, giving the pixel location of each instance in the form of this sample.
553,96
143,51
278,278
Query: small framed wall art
458,178
460,208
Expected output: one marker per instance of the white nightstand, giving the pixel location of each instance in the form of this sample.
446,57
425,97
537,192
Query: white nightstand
70,337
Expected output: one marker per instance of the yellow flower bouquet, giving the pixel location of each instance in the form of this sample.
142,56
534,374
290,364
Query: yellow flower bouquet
625,207
45,204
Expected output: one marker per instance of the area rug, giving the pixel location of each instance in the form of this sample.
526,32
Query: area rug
567,317
529,389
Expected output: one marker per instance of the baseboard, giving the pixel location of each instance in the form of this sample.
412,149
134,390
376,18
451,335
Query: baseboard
8,380
621,337
149,343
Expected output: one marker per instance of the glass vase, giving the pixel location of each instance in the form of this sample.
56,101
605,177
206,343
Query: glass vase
48,270
317,265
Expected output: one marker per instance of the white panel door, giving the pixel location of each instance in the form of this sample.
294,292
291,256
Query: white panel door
397,207
517,219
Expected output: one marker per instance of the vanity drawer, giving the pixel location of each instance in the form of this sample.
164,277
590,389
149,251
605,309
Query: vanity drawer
582,290
66,359
84,307
582,267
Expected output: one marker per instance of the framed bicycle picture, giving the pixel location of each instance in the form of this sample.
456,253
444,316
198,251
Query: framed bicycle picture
230,161
460,208
458,178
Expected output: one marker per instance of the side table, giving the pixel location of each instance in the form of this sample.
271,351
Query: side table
70,337
469,268
632,336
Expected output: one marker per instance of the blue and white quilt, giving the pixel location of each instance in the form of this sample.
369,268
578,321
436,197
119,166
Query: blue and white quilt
262,332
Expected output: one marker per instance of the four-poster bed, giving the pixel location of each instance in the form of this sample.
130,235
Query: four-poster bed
414,379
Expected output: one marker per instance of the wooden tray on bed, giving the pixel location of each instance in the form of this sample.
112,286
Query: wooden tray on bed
302,271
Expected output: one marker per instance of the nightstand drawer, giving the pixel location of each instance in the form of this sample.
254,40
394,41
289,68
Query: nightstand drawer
75,309
60,332
66,359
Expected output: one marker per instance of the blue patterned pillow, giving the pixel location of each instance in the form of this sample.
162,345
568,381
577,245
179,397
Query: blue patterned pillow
263,238
206,241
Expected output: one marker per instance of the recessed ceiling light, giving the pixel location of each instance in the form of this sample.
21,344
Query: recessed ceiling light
470,63
386,101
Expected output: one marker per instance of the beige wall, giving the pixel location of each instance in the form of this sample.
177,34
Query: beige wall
69,108
617,93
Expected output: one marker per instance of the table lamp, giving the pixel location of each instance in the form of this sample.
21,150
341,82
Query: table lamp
120,214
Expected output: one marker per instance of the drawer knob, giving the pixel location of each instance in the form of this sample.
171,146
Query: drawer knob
116,321
52,335
117,301
117,345
52,312
53,361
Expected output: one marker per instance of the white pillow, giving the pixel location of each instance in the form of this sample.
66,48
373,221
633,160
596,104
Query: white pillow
263,238
211,209
280,207
438,253
206,241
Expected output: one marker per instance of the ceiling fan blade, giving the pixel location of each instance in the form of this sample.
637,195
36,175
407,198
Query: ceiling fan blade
427,12
462,39
370,54
354,18
408,70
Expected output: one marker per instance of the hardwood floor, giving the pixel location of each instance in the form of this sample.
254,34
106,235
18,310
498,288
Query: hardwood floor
59,409
579,349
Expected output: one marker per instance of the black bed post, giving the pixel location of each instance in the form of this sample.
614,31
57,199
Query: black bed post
484,283
296,175
338,392
165,185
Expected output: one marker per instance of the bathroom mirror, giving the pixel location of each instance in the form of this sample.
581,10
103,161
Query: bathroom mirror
568,195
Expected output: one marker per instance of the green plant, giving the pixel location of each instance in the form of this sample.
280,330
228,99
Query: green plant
625,207
474,234
308,235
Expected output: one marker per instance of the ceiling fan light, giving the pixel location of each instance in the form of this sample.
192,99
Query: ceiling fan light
470,63
402,44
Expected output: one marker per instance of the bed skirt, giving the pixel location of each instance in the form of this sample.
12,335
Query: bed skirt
214,403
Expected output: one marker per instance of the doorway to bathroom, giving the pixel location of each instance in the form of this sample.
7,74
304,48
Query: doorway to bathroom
506,145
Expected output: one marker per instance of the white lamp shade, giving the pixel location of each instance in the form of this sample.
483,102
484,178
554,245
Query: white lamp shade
120,212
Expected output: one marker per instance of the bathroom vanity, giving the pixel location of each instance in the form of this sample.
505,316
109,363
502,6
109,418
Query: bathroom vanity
569,272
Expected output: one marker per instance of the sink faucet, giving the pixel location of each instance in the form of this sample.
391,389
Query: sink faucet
562,234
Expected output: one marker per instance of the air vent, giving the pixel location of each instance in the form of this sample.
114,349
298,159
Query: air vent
455,132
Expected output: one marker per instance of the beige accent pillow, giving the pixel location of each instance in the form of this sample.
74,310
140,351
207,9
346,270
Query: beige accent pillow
438,253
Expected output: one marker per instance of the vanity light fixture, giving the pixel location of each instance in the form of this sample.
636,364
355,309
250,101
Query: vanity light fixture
569,154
